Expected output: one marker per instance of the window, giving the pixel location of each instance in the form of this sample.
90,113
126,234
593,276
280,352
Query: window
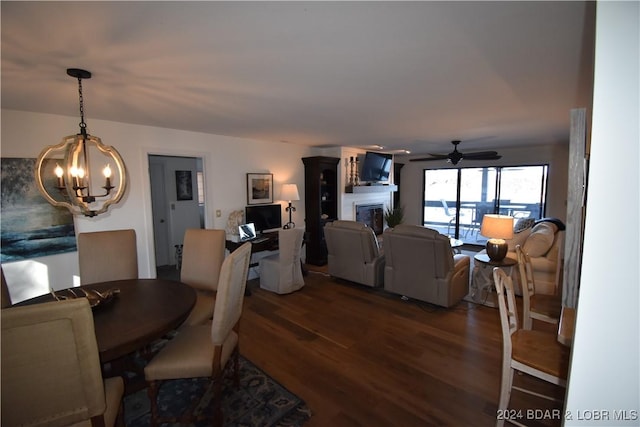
200,181
456,200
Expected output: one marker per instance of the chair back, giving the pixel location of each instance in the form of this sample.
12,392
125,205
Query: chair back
419,263
527,281
203,253
507,307
6,297
289,247
51,374
107,255
230,295
353,252
445,206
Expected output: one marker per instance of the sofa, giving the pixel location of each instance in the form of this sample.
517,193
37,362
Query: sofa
353,253
543,242
420,264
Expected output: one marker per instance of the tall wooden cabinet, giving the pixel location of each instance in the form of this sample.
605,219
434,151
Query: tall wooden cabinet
321,203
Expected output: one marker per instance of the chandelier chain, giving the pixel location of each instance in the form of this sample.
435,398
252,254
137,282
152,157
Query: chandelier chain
83,125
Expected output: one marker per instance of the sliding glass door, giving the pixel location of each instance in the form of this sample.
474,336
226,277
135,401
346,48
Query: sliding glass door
456,200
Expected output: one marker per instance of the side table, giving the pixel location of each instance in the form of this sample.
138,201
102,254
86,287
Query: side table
482,285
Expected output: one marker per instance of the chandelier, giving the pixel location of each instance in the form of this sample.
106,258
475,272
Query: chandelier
64,172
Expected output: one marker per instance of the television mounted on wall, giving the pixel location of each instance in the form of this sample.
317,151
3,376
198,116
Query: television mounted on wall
376,167
264,217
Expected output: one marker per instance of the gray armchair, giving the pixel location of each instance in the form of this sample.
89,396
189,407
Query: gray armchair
420,264
353,252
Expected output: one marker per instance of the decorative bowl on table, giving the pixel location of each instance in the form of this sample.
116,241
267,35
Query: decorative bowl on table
96,298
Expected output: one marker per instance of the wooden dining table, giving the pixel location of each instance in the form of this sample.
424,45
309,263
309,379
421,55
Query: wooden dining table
142,311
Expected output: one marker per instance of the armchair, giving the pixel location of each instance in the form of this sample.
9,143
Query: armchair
543,243
353,253
420,264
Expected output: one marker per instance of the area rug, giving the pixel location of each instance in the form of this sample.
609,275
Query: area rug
259,401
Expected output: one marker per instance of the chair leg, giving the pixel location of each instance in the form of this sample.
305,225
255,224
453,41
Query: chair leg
152,392
236,369
218,417
505,395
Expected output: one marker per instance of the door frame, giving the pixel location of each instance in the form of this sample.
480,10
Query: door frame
206,158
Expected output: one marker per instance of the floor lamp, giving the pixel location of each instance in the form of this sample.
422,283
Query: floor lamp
289,193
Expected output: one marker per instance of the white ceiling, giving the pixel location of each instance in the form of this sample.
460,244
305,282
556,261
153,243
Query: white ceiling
404,75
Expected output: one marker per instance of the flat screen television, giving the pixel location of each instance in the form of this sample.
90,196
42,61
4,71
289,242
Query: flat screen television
264,217
376,167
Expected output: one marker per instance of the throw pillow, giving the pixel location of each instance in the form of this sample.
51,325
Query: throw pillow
523,224
540,240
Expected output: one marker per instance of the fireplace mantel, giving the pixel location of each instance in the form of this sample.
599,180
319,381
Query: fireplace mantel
363,189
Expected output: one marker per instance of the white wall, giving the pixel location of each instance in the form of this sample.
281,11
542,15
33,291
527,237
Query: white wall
605,372
226,160
556,156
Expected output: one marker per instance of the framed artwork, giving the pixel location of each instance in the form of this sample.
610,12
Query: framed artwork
184,185
30,226
259,188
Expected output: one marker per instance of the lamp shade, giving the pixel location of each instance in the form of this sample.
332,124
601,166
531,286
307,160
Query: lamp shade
289,192
497,226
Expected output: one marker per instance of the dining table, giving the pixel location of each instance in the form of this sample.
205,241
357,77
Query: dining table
139,312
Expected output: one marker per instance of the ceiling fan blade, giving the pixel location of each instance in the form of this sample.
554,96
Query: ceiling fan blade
479,154
433,157
495,157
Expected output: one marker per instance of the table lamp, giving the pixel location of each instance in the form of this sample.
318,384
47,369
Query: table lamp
289,193
497,228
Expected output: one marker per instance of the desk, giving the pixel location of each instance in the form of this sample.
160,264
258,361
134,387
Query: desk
566,326
482,285
271,244
145,310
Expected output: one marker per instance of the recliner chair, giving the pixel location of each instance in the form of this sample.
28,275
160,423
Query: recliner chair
354,253
420,264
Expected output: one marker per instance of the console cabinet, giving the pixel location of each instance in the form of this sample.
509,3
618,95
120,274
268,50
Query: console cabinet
321,203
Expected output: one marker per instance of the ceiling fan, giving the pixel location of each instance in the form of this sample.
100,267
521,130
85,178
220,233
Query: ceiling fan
455,156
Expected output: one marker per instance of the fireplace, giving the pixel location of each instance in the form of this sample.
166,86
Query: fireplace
372,215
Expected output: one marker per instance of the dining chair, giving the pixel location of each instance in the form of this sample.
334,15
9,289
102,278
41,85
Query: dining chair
282,272
107,255
535,353
51,373
205,350
546,308
203,253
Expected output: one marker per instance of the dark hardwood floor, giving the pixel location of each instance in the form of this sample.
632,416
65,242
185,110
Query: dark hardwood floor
361,357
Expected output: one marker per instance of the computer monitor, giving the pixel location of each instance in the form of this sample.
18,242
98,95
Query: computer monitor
264,217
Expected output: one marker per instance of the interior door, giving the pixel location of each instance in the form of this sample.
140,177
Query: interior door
160,214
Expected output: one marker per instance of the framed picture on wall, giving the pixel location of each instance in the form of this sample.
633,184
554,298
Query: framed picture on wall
184,185
259,188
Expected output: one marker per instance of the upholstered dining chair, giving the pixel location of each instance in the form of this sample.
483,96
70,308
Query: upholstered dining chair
546,308
534,353
51,374
107,255
282,273
203,252
205,350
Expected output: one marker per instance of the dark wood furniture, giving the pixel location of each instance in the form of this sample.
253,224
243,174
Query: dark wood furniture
321,203
271,244
143,311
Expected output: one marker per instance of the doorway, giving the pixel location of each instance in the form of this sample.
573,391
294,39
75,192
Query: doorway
177,200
